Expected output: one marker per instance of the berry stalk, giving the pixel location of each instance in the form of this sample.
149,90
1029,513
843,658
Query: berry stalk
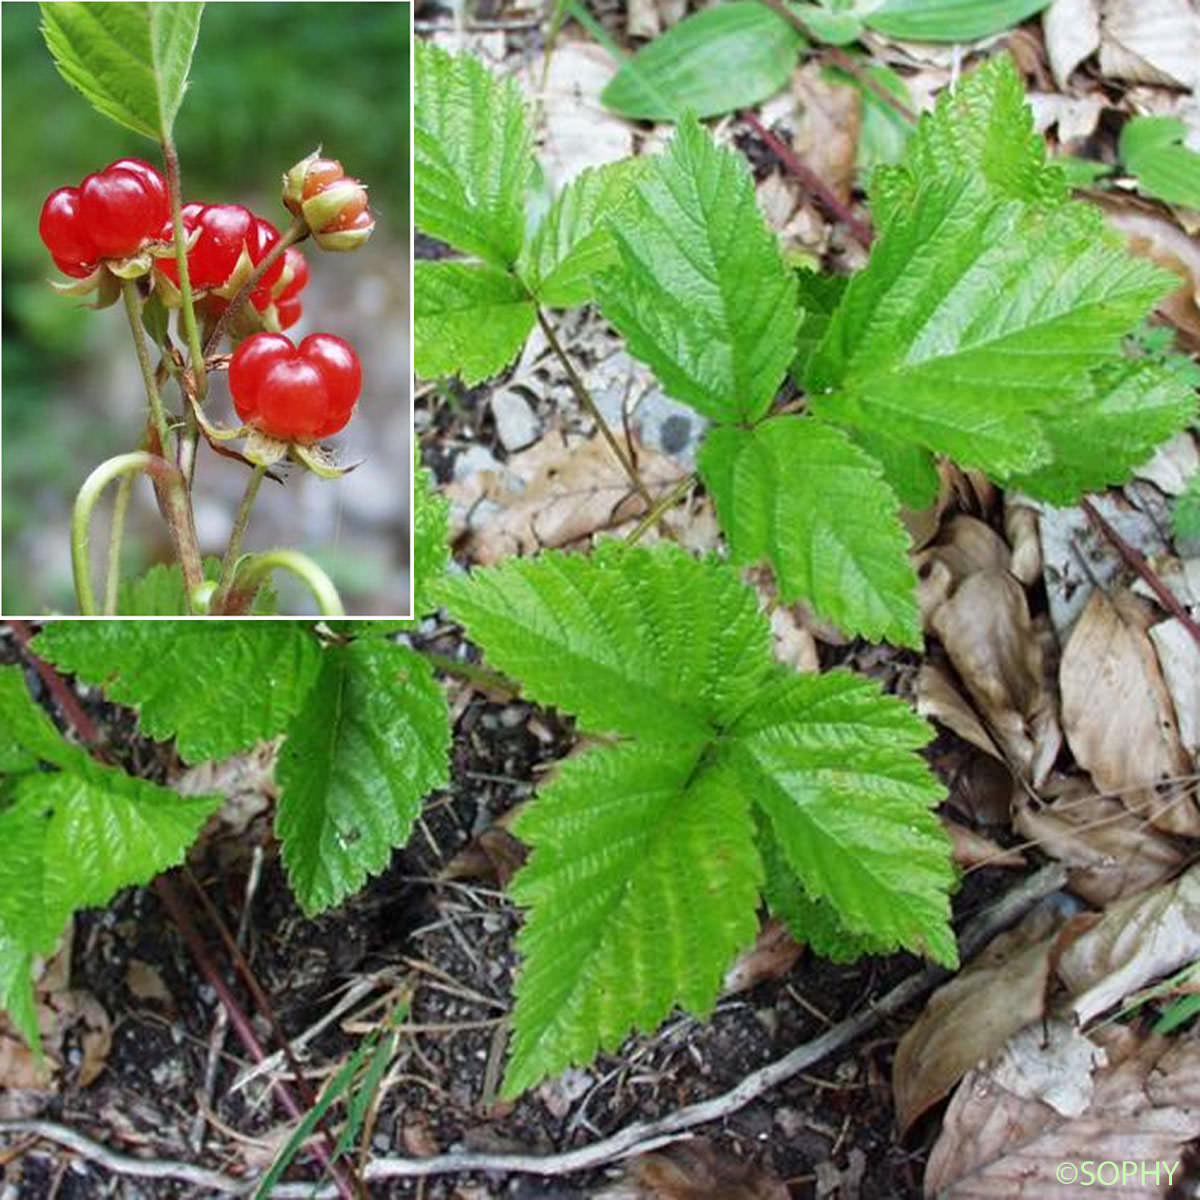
240,521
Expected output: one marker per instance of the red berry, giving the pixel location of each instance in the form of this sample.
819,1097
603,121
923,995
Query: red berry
295,393
119,211
294,263
153,182
287,312
63,233
224,229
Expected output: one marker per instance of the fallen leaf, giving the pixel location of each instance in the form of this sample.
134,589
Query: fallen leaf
970,849
1172,467
145,982
1117,714
694,1170
1110,852
1179,658
771,956
1137,940
1071,29
1021,529
828,116
998,1145
938,697
1151,41
971,1017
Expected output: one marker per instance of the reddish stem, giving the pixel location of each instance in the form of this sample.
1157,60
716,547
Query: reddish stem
68,703
859,229
1136,561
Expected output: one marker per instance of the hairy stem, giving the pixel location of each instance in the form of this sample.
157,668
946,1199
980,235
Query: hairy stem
188,310
585,398
295,232
133,310
257,568
240,521
112,572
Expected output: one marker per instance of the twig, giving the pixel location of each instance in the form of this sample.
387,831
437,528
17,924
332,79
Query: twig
126,1164
812,182
68,703
659,510
585,398
1136,561
645,1136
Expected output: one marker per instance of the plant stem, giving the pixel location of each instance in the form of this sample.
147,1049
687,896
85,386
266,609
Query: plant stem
112,576
173,495
133,310
295,232
185,280
585,398
229,562
668,501
812,182
256,569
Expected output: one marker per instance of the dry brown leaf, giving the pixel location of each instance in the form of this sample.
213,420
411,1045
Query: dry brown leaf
1179,658
145,982
771,956
1171,468
971,1017
1151,41
1072,33
493,856
983,790
1137,940
827,118
969,849
557,492
939,698
247,781
694,1170
1110,852
987,632
1021,529
1117,713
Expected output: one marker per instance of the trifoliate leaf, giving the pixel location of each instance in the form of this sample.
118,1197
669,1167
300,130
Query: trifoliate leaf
1109,427
130,61
642,886
471,320
650,645
431,546
643,876
799,493
719,59
471,145
217,686
974,315
832,764
369,742
702,294
1152,149
949,20
572,244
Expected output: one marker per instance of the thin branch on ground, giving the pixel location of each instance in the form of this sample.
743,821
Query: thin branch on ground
68,703
811,181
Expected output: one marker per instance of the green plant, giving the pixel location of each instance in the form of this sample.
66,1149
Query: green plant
125,233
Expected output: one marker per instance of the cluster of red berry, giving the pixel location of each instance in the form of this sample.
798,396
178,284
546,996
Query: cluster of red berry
289,393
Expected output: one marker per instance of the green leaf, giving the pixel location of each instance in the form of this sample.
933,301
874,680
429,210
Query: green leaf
644,875
1110,426
573,244
217,686
800,494
832,28
702,293
717,60
910,471
369,741
831,762
982,127
471,319
130,61
16,990
1152,149
1185,519
642,886
949,20
819,296
883,133
27,735
634,643
160,592
974,316
431,545
472,155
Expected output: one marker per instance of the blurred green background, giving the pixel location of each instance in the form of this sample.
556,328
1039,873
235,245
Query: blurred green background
269,83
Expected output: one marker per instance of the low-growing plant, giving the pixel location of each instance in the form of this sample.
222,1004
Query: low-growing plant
988,327
124,233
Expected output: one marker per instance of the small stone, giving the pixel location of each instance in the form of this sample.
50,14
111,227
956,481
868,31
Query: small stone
517,425
472,459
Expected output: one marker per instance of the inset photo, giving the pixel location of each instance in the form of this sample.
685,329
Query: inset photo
206,264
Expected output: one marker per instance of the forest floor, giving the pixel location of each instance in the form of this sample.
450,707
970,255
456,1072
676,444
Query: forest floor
148,1068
